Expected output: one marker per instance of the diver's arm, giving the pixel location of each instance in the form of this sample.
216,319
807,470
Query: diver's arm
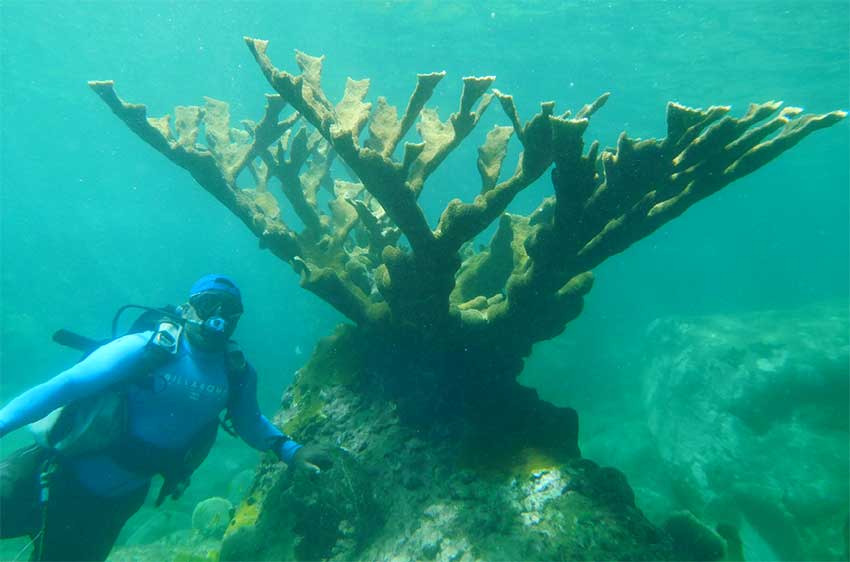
105,366
252,426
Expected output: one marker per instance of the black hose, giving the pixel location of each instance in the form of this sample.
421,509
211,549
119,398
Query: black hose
163,311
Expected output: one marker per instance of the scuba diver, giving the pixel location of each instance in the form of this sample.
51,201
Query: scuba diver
143,404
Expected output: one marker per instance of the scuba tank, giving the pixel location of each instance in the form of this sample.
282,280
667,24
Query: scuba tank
95,422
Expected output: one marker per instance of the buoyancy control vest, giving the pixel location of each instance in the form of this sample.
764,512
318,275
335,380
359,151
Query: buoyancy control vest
100,422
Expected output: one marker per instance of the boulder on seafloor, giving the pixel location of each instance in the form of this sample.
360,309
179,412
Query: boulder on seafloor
151,524
692,540
750,415
180,546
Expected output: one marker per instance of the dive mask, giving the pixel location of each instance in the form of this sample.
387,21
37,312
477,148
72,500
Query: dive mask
218,312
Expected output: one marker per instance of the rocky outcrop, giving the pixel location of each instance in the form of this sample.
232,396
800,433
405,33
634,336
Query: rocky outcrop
404,490
750,418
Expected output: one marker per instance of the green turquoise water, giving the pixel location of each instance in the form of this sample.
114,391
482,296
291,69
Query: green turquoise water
92,218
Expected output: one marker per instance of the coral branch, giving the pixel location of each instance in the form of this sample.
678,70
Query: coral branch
386,129
599,210
491,155
442,138
351,112
461,221
287,171
267,131
344,296
252,208
383,178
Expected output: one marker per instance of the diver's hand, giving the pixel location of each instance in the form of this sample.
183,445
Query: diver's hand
312,458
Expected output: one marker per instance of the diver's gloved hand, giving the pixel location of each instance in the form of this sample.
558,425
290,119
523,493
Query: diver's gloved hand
312,458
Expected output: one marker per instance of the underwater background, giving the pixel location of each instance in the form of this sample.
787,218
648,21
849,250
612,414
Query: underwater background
91,218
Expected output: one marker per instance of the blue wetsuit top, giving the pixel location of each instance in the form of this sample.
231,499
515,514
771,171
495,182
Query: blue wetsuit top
187,393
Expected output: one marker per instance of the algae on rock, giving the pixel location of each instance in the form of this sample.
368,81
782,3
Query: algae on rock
440,330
